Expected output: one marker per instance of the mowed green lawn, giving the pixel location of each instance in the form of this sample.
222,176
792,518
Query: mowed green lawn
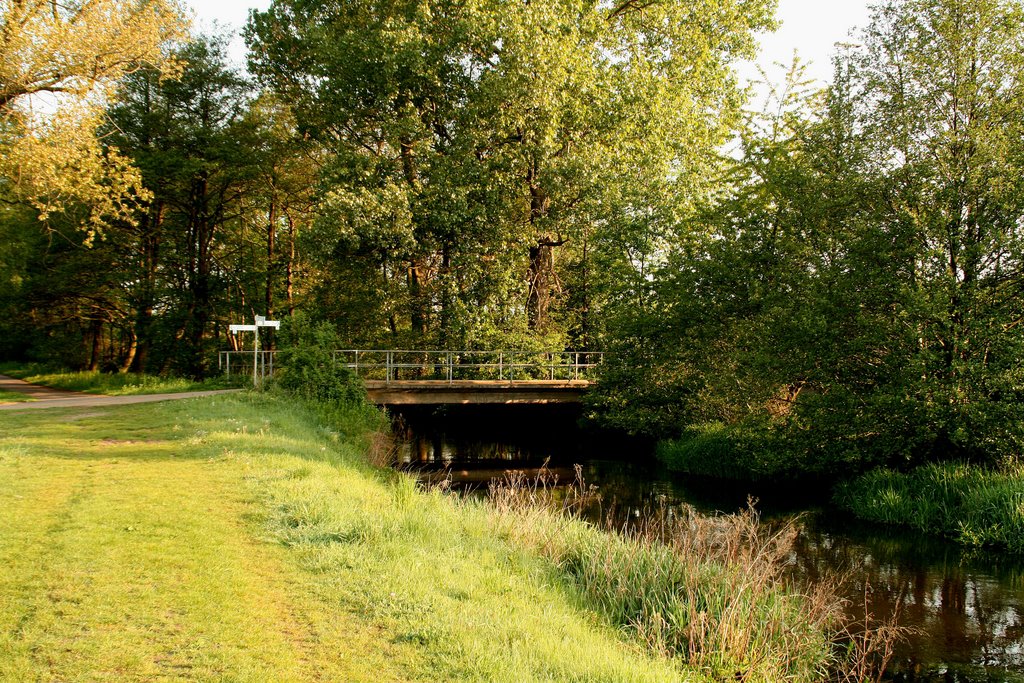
237,538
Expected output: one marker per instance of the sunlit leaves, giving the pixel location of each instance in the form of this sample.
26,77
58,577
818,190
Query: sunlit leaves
59,64
520,145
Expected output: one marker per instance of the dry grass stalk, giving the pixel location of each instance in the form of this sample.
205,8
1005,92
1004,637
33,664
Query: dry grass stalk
383,449
710,590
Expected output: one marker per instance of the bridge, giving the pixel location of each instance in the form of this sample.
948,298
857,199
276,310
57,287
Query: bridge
410,377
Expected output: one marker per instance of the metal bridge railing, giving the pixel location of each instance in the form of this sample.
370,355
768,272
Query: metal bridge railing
241,363
409,365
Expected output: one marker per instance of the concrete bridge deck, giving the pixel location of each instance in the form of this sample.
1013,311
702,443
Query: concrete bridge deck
476,392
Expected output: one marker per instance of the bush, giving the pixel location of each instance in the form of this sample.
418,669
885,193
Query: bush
308,367
752,450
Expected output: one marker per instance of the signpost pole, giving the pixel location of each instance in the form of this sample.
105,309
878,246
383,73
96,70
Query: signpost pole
255,329
255,354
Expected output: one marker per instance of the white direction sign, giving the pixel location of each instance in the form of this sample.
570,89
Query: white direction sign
261,321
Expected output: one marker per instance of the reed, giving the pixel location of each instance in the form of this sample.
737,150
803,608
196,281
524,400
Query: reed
973,505
710,591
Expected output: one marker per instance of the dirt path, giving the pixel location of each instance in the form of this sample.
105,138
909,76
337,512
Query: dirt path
45,397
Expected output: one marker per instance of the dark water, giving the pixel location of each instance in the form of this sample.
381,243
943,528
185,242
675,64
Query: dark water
966,607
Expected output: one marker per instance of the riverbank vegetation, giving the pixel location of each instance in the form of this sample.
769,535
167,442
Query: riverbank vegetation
710,591
975,506
243,536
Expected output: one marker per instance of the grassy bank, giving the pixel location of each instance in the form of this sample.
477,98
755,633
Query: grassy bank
109,384
237,538
242,537
972,505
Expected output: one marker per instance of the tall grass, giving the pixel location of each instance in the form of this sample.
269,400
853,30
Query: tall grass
973,505
711,591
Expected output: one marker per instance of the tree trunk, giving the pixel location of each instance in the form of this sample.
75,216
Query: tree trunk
130,353
544,283
290,267
97,345
418,313
542,279
202,233
585,341
150,247
446,296
271,234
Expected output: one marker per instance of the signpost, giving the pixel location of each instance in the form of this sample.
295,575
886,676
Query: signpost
261,321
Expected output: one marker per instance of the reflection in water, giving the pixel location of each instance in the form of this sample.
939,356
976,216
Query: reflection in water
966,607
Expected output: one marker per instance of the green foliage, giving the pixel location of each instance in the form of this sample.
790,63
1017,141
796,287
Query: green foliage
53,158
975,506
852,297
764,449
308,366
230,189
476,183
731,452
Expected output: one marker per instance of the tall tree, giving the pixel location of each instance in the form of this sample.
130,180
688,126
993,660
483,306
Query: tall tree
858,296
198,158
941,106
58,64
479,146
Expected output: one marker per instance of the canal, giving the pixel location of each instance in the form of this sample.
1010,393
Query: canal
965,608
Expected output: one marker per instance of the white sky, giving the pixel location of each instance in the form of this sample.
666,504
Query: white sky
811,27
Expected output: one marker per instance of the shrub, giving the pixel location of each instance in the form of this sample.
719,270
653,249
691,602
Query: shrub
753,450
308,367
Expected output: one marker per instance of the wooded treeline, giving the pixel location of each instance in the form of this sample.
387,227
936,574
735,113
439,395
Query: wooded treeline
845,287
854,295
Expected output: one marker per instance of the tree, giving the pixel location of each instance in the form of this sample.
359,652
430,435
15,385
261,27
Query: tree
198,156
481,148
58,64
941,106
228,181
858,297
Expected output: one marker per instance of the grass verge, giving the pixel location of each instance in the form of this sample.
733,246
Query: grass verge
13,397
110,384
973,505
237,537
